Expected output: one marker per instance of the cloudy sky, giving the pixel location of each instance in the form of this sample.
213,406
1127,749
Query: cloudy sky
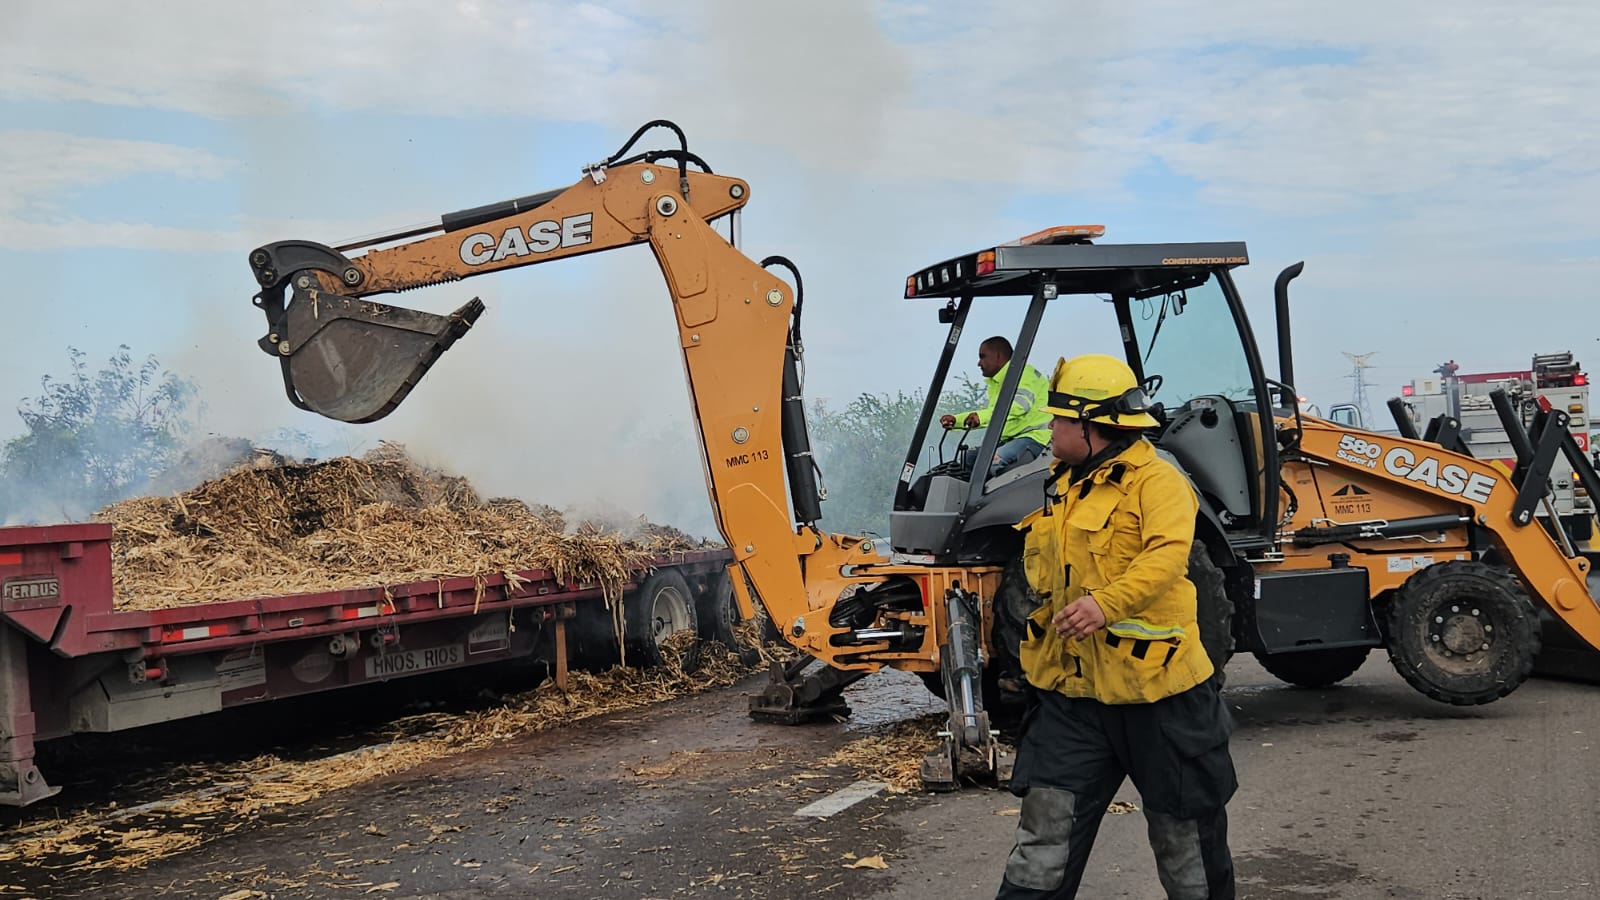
1432,164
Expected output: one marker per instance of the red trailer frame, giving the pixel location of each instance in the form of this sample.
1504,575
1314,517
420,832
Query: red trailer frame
71,663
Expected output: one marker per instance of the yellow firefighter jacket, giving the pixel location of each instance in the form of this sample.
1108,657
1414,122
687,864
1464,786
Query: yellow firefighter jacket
1120,534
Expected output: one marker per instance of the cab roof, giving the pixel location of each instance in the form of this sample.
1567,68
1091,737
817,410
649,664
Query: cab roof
1080,267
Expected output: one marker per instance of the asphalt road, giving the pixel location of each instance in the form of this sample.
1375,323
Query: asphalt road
1367,790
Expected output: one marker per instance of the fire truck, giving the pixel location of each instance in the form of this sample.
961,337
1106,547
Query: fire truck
1553,381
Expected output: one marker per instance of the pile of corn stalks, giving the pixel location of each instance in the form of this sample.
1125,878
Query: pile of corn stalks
281,528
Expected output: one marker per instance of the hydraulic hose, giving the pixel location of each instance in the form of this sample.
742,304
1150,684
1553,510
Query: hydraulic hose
798,459
683,144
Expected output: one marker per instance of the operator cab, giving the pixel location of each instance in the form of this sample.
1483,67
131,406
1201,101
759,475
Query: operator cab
1179,316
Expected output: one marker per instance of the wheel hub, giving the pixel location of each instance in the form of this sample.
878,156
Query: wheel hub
1463,631
671,615
1460,630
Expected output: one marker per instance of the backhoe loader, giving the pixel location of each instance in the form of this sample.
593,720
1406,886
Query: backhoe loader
1315,543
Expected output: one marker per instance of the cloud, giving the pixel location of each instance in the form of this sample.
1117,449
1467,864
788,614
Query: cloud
1286,110
34,165
240,59
45,174
42,171
18,234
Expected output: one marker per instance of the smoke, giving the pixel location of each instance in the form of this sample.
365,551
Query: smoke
568,392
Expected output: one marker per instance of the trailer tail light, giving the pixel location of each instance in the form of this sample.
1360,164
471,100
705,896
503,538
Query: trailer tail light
986,262
1580,379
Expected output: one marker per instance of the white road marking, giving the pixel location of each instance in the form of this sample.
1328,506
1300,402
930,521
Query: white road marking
840,800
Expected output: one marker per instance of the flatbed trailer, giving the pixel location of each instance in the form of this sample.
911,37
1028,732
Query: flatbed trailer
71,662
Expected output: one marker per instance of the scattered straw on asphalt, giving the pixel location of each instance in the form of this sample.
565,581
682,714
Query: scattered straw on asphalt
279,528
893,756
242,791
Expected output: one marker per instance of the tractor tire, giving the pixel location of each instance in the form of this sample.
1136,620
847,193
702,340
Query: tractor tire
1014,601
1314,668
660,607
1213,609
1463,632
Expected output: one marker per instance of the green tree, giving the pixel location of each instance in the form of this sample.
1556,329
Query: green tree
862,447
93,438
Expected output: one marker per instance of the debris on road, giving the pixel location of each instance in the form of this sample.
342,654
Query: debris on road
229,797
893,756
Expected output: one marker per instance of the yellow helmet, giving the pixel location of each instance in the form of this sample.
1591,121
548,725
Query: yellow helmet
1100,388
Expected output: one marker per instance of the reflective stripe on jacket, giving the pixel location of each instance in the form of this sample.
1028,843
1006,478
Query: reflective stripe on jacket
1121,535
1027,417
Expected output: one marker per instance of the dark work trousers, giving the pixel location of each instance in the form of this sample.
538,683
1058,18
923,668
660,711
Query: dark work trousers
1071,759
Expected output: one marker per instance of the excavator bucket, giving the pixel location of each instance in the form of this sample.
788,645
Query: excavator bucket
355,360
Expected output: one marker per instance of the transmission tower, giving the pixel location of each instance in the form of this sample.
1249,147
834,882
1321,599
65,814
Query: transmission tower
1360,363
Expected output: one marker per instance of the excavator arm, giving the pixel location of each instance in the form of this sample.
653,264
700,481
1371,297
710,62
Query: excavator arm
351,358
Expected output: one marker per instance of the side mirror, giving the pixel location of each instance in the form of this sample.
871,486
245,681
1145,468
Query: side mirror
1347,414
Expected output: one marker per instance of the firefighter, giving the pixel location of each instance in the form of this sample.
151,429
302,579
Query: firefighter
1027,427
1120,685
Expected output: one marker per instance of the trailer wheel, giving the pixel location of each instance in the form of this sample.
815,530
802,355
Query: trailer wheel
661,607
717,613
719,618
1314,668
1463,632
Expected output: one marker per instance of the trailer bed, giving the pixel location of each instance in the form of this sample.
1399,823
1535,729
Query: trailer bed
71,662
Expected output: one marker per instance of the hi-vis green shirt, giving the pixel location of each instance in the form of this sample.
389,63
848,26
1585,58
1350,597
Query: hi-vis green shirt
1027,417
1121,535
